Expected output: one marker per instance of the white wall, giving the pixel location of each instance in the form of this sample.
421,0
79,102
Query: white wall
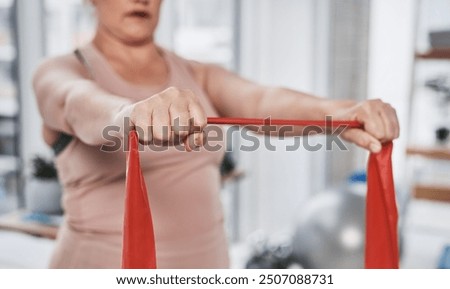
390,64
279,48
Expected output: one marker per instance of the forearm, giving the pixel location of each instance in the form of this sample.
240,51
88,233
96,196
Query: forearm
89,110
234,96
282,103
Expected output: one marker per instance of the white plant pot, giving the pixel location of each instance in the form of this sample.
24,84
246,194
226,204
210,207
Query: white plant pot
43,196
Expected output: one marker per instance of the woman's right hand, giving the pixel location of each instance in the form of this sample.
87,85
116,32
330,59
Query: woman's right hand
171,117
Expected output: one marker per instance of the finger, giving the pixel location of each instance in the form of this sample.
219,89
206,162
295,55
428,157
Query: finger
362,139
198,117
161,125
179,115
187,144
143,129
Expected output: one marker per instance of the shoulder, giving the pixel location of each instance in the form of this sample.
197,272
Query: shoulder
66,65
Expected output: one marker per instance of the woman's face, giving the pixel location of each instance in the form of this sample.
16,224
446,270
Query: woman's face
131,21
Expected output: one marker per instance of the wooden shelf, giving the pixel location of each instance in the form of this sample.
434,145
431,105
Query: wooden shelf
431,153
441,53
430,192
14,222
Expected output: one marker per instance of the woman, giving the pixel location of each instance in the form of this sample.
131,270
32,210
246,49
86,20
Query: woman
123,75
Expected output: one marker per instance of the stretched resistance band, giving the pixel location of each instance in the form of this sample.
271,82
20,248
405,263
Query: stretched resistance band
381,251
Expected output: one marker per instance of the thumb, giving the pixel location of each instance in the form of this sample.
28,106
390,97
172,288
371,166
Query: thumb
194,141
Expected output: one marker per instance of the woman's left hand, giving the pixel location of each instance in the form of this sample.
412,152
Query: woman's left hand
379,120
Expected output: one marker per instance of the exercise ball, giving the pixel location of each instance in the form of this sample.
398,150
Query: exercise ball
330,233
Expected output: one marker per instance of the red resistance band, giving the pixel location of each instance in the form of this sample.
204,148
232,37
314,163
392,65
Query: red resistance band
139,250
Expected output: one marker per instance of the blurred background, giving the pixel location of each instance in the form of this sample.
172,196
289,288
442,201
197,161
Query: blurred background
283,209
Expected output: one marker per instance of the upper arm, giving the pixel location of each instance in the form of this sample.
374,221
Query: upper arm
52,82
70,102
228,91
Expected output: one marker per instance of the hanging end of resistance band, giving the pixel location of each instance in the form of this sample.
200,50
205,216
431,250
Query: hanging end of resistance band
382,247
139,250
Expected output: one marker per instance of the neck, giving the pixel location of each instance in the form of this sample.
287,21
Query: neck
141,64
115,50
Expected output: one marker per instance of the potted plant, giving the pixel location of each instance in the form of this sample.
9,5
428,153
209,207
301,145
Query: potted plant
43,190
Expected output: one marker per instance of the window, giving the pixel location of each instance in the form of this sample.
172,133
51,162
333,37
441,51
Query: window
9,140
205,34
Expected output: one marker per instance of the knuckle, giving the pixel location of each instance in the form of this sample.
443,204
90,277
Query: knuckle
137,109
377,101
187,91
372,104
394,110
388,107
172,90
367,106
363,112
202,122
156,100
190,95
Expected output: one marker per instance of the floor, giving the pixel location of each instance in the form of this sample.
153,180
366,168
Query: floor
426,233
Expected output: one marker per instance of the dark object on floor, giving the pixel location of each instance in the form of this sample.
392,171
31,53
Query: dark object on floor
271,257
444,263
442,135
440,39
228,164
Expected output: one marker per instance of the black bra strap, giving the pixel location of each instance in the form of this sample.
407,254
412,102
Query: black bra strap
64,139
61,143
84,62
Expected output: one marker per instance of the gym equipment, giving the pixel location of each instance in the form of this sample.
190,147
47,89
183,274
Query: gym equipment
381,230
444,262
330,232
270,253
271,257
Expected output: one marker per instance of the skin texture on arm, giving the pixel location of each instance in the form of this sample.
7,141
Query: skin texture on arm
71,103
236,97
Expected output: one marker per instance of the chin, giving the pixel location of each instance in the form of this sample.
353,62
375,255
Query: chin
138,41
138,38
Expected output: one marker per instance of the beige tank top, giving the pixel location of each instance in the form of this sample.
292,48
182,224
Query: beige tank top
183,187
